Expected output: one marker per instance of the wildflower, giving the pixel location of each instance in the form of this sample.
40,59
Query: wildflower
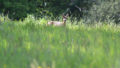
39,67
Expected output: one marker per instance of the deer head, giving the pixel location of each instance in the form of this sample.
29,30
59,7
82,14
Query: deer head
65,18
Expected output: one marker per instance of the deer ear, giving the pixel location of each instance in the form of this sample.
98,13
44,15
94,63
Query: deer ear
63,16
67,15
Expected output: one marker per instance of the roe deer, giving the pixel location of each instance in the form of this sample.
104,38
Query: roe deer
58,23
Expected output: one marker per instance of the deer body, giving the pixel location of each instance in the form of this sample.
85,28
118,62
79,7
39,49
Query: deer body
58,23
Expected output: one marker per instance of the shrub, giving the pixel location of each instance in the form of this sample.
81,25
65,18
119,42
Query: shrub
104,11
3,18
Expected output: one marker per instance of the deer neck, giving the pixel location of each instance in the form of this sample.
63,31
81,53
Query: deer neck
64,23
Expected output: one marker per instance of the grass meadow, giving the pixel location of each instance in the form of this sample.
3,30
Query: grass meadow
30,45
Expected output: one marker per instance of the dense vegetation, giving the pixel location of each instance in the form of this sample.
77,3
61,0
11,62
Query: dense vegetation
31,45
97,9
90,40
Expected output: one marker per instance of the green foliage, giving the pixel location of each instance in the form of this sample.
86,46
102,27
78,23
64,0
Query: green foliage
105,11
27,45
18,9
3,18
91,10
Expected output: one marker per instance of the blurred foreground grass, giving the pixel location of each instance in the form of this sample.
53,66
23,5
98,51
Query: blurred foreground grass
35,46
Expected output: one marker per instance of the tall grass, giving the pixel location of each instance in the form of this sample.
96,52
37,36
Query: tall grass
29,44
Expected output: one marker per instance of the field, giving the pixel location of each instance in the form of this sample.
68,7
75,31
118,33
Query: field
28,45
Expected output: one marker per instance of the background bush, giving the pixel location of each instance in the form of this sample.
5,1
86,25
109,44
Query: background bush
91,10
18,9
104,11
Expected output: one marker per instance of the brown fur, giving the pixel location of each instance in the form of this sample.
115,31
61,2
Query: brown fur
58,23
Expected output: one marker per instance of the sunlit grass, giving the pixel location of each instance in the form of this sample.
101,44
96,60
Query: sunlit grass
28,44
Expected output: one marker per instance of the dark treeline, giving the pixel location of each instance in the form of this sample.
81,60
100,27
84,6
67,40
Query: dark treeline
18,9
